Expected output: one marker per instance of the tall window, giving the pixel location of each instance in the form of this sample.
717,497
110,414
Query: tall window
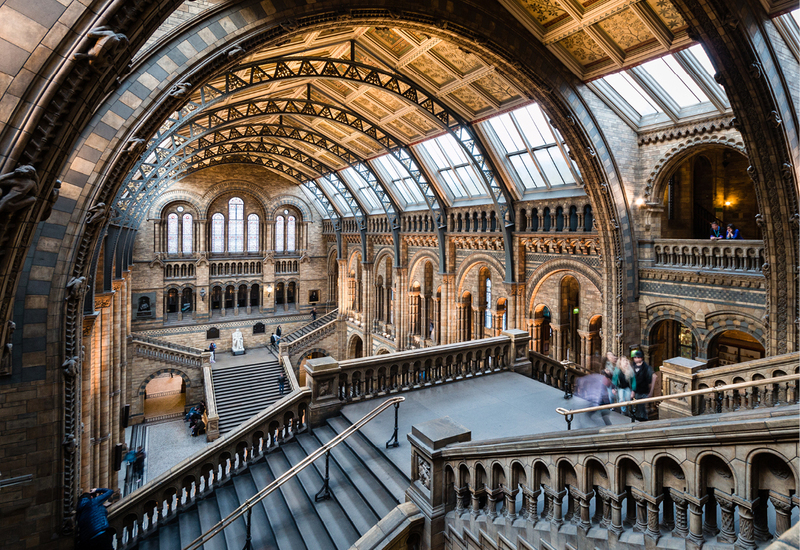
252,233
187,234
290,235
236,225
279,234
217,233
487,320
172,234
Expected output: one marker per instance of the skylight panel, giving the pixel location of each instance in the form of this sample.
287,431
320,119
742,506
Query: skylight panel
340,201
548,166
362,188
700,54
318,205
631,92
675,81
796,16
453,184
528,173
454,168
509,137
534,126
452,149
402,182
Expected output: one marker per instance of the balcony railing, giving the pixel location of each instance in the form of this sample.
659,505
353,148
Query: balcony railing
725,255
161,350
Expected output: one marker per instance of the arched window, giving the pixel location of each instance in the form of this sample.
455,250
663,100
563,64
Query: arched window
217,233
488,315
172,234
252,233
187,234
236,225
290,235
279,234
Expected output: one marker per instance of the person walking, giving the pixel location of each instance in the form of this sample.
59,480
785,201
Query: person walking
608,372
644,382
212,347
313,314
281,382
623,381
138,464
93,529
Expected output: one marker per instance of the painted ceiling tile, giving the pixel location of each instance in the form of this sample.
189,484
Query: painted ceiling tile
462,61
419,121
387,99
390,40
668,14
470,99
430,70
546,12
370,106
494,85
398,127
583,48
332,130
626,29
337,85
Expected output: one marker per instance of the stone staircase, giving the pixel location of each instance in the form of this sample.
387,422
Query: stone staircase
310,327
245,390
365,487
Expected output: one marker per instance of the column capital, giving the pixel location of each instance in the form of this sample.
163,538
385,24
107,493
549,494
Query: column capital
640,495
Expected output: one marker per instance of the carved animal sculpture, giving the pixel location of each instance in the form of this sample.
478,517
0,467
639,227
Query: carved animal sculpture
18,190
107,44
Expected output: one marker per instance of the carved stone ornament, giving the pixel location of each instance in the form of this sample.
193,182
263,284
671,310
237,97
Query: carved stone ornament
96,213
775,118
756,70
134,145
787,170
424,472
324,388
107,44
69,444
70,366
51,201
233,52
752,172
75,287
180,90
17,191
6,354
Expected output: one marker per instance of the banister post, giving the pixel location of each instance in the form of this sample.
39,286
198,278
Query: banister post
428,485
518,360
679,375
322,376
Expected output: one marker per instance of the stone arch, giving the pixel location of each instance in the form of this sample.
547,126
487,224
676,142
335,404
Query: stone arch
272,205
175,195
553,266
418,259
186,378
478,258
722,321
701,461
230,188
385,252
750,472
654,186
663,312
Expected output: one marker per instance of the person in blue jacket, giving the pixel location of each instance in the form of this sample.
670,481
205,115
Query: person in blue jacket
93,529
732,232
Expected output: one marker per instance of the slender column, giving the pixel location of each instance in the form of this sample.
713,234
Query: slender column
511,503
641,513
616,513
476,502
727,532
461,492
681,526
696,522
585,522
746,539
652,531
760,527
669,511
710,523
532,499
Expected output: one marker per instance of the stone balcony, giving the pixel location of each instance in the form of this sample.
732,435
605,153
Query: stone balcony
731,256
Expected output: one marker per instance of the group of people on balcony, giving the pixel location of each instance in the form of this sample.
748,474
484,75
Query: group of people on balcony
620,380
730,232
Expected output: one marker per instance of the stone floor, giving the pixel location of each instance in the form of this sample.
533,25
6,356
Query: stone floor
495,406
252,356
169,443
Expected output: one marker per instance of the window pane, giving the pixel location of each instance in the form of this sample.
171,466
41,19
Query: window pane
561,165
412,188
632,93
534,126
217,233
290,235
452,149
546,162
700,54
279,234
527,171
172,234
508,134
252,233
470,180
436,154
675,81
236,225
187,234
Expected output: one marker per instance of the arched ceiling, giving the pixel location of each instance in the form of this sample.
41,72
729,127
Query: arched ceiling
325,100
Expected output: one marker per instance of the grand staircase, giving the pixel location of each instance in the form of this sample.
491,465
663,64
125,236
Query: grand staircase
245,390
365,487
313,325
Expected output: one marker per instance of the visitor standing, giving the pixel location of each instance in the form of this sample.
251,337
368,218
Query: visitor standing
138,464
623,381
278,333
93,530
716,232
281,382
645,382
608,372
313,314
732,232
212,347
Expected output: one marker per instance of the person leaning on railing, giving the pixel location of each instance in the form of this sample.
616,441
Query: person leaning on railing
644,382
93,528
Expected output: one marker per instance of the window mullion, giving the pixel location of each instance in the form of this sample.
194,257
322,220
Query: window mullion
656,92
705,81
531,150
564,154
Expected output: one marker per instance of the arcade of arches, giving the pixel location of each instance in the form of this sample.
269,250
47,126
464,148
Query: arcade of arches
438,175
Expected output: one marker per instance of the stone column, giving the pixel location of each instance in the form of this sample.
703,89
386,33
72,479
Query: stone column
322,376
681,525
556,500
103,303
783,513
427,488
710,523
369,302
532,501
517,359
615,529
555,343
746,539
641,513
727,532
87,398
584,499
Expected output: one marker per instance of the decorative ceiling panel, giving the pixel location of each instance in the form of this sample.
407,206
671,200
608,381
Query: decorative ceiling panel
496,87
456,58
547,12
583,48
668,15
472,100
389,40
627,30
432,71
372,108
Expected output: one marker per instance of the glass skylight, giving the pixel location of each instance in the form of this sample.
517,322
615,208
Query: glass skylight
401,181
454,168
364,191
535,152
631,92
675,81
338,199
700,54
796,15
318,205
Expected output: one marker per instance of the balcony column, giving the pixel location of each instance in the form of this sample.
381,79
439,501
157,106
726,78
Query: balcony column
695,539
681,526
556,343
556,499
710,523
370,304
584,519
400,283
511,503
616,514
532,503
746,539
586,353
783,513
449,312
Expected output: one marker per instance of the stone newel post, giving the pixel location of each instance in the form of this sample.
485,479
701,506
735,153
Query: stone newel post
678,376
428,485
518,360
322,376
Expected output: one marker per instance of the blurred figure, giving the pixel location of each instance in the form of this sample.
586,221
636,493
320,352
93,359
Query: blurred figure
623,381
732,232
594,388
608,372
644,383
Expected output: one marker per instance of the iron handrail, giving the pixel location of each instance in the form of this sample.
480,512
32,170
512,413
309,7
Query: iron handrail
704,391
290,473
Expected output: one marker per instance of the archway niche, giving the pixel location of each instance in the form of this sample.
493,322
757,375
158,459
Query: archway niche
164,395
542,332
670,338
569,300
735,346
710,184
356,348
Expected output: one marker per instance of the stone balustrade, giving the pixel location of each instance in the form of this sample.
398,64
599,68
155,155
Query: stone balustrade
549,371
621,487
683,375
211,414
161,350
296,342
194,478
725,255
336,383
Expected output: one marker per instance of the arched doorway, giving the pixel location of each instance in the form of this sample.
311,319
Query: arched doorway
279,295
241,297
187,301
164,396
541,330
229,297
255,296
356,348
734,346
570,343
291,292
172,301
670,338
594,355
216,298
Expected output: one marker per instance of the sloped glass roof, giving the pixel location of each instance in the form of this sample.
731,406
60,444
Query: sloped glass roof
313,200
362,189
399,181
453,169
675,81
333,193
625,86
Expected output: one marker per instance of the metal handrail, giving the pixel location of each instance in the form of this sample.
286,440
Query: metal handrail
290,473
704,391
